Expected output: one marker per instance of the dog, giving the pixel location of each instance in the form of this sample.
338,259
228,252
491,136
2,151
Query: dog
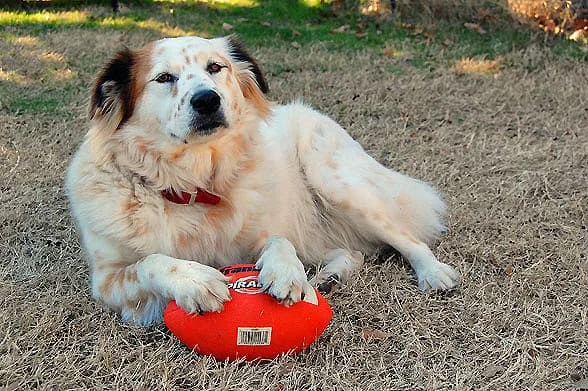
187,166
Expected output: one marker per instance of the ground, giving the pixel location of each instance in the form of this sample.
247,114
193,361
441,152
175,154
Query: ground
499,126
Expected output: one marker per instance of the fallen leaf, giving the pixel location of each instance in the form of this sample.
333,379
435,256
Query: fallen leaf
342,29
296,33
580,24
227,27
509,270
492,370
266,24
361,34
371,334
476,27
579,35
388,52
296,45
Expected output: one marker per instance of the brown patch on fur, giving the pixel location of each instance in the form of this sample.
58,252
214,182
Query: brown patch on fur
218,214
113,278
377,216
248,166
182,101
141,67
251,91
190,76
132,205
188,60
131,274
175,90
345,204
177,153
111,265
140,229
183,241
240,143
331,164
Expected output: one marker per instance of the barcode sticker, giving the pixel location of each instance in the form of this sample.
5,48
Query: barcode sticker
254,336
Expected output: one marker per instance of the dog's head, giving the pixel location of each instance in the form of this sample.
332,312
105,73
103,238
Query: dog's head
185,88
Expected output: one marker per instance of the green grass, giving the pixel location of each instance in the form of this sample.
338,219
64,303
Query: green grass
268,23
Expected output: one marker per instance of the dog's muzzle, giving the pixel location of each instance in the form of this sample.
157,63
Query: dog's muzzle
208,116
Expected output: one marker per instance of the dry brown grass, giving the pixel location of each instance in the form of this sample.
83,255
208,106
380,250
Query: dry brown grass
508,149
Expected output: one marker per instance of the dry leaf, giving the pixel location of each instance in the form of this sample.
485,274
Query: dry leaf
476,27
296,33
371,334
388,52
227,27
296,45
509,270
342,29
361,34
492,370
579,35
266,24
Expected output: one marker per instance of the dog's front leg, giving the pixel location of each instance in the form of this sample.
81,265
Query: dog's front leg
140,288
282,274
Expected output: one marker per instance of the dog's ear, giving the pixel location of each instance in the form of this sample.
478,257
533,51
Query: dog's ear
111,99
240,55
251,80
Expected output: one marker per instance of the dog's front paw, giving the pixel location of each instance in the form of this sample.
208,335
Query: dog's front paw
201,288
438,276
282,274
194,287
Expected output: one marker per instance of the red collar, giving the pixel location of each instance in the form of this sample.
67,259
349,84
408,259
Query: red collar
184,198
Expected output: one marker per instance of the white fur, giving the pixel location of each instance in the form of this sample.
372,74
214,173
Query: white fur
296,189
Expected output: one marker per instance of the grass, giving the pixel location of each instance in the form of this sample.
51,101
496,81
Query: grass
262,24
497,122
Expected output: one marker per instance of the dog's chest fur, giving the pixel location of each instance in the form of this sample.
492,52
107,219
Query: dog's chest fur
270,197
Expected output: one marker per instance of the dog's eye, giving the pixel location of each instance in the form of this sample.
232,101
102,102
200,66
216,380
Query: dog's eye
165,78
214,67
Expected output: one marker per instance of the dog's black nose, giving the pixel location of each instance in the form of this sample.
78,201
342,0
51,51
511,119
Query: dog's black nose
205,102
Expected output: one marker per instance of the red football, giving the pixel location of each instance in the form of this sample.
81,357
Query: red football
252,325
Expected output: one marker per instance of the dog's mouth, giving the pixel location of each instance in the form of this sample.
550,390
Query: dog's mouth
208,125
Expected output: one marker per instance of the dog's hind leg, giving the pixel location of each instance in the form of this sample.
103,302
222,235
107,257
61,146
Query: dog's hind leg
339,265
383,205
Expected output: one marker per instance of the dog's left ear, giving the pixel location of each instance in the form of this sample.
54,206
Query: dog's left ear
240,55
251,81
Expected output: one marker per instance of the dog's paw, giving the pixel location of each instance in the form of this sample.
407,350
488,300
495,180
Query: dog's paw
282,274
326,283
438,276
194,287
340,264
200,288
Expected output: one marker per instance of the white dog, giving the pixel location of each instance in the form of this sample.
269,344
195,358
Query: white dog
188,167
